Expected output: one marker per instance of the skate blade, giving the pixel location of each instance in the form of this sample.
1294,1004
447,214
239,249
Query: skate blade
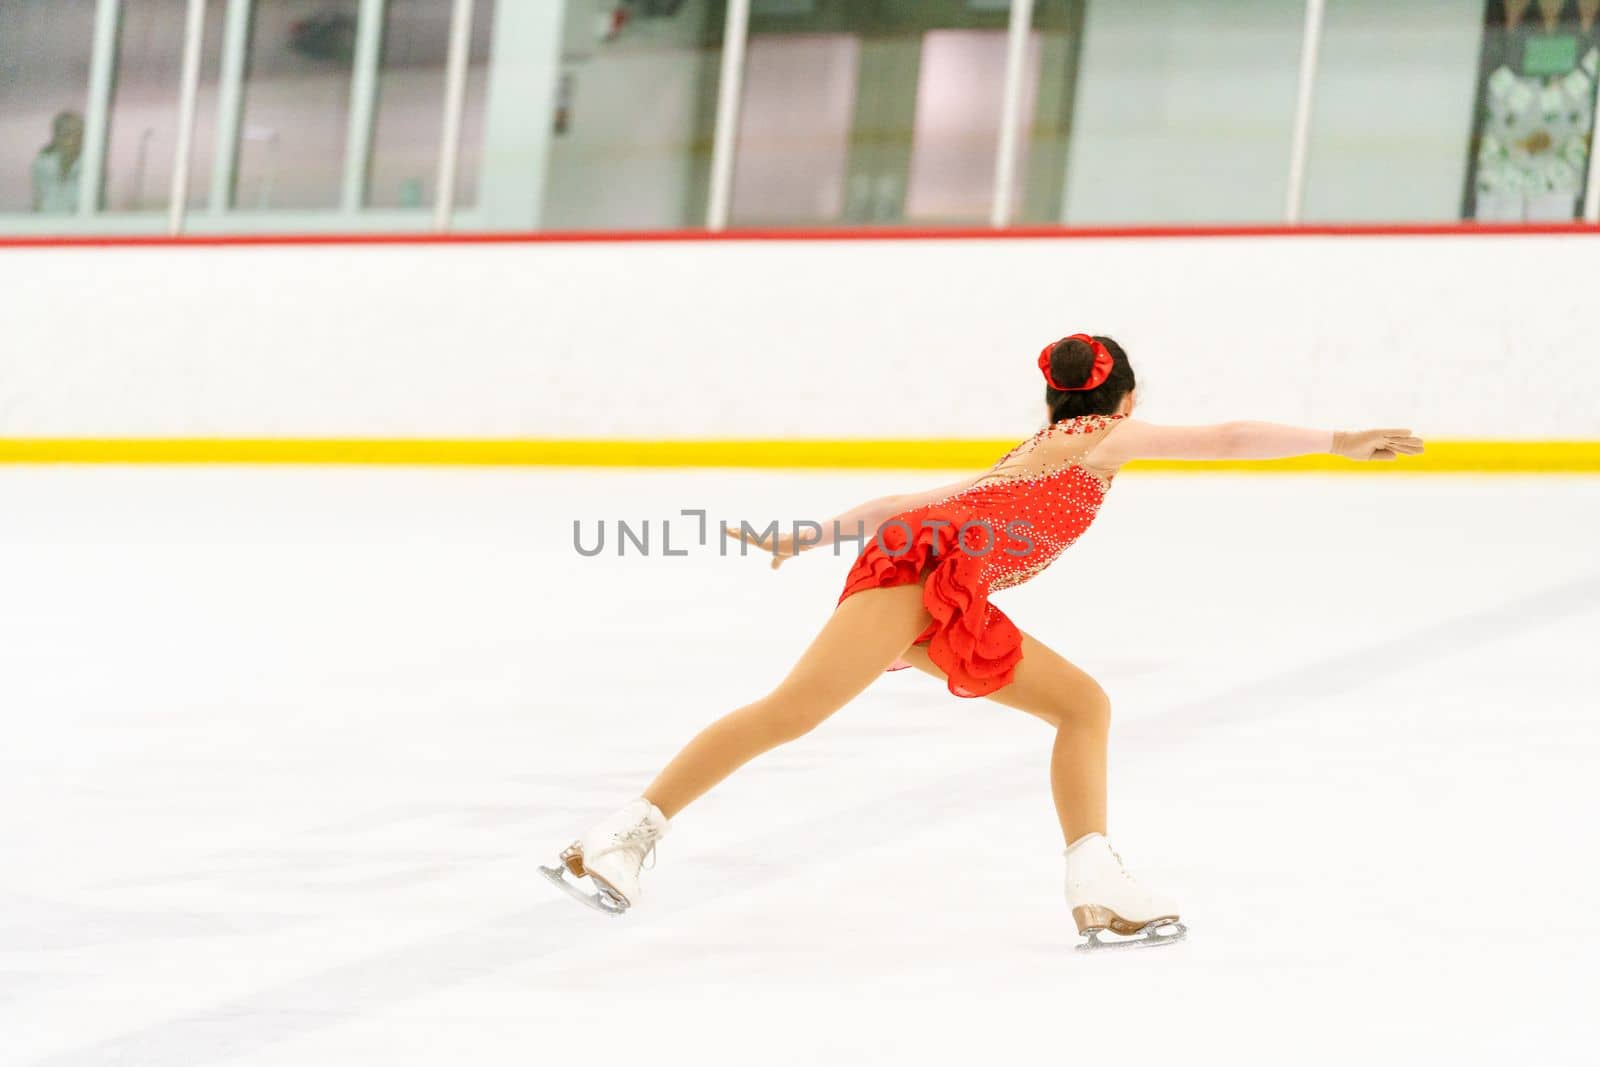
1156,934
601,902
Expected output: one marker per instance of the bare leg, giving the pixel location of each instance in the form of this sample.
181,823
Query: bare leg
864,636
1047,686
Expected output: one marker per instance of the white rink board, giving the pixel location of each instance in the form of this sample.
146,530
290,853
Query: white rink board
285,748
1458,336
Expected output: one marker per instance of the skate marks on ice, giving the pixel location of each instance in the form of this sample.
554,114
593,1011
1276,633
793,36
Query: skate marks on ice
1280,694
338,995
356,989
363,987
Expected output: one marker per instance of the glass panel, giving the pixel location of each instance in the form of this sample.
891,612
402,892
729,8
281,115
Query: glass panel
44,81
1184,112
144,105
906,123
296,104
1050,88
1389,130
630,145
410,108
793,147
1535,112
960,93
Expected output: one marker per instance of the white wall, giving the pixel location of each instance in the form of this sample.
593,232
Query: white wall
1459,336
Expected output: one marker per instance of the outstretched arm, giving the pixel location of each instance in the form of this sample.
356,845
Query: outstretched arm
1248,440
865,517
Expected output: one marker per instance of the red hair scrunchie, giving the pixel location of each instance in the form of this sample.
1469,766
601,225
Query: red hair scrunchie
1098,373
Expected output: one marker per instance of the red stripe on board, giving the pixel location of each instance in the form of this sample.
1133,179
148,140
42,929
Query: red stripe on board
1449,229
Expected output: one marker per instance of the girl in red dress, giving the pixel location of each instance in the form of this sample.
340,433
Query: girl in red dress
918,596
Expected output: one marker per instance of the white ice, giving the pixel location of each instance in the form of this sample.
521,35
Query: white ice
282,750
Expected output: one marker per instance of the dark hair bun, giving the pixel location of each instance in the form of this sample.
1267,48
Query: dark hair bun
1071,362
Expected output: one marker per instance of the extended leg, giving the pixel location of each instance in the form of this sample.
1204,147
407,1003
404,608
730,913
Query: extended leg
1049,687
864,636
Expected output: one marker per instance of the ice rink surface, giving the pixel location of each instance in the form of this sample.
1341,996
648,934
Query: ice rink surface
283,749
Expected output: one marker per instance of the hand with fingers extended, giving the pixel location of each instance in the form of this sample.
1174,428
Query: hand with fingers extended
1376,444
783,551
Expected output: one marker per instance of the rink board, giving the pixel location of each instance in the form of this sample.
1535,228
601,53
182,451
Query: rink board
766,347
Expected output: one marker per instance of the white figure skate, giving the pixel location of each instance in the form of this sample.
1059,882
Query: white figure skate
611,856
1104,897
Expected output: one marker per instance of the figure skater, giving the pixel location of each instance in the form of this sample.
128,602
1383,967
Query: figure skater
918,596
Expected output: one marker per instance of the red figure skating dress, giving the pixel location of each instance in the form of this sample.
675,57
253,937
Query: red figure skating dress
1011,524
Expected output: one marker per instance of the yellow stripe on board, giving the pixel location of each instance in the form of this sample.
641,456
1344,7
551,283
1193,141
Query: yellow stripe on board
1519,457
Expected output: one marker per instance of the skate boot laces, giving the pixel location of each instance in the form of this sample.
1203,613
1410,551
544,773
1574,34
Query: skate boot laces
638,842
1121,866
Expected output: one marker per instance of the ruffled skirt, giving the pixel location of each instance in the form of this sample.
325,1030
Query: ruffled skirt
969,639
